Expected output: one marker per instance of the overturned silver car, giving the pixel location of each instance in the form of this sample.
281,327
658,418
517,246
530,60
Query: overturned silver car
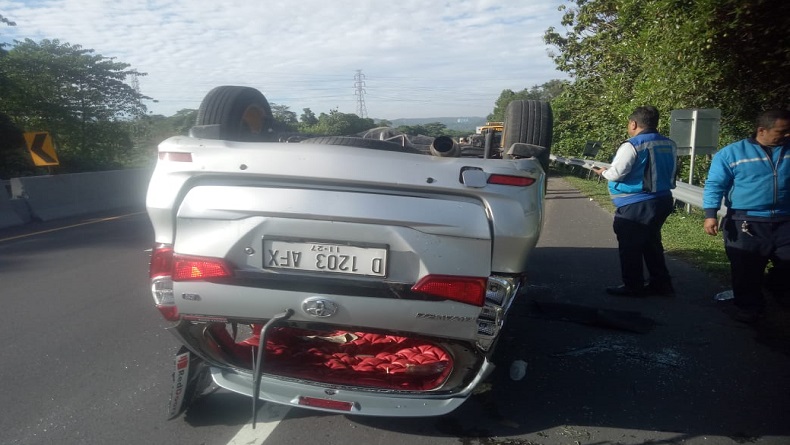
359,275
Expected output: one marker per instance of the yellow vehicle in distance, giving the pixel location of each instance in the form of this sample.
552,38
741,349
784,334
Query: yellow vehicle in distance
478,139
490,126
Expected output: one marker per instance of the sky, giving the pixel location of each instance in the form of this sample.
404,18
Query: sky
401,59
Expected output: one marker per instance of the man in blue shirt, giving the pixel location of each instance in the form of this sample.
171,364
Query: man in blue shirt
641,179
753,177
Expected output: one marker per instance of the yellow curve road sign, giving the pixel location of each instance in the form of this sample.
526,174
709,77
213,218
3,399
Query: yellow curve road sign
41,148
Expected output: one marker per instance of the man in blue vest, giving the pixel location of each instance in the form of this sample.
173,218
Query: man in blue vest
641,179
753,177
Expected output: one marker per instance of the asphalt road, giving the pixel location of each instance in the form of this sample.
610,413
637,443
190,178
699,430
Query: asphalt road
86,360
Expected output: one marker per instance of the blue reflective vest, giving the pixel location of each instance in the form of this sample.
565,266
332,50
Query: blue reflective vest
752,183
653,172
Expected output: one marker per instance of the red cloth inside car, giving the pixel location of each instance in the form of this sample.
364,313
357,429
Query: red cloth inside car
352,358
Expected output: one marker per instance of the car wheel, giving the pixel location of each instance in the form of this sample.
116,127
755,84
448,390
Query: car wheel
242,113
529,122
350,141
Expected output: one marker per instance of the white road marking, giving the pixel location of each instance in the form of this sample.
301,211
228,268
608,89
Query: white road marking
269,416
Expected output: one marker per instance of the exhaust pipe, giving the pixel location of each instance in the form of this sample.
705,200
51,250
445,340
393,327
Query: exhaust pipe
445,146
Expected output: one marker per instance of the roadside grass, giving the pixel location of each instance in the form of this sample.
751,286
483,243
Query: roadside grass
682,234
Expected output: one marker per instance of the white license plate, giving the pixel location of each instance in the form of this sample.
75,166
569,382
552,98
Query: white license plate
324,257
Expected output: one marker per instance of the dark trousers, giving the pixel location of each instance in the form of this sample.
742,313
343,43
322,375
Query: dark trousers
749,253
638,230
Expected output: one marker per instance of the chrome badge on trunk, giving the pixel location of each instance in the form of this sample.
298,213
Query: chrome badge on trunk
319,307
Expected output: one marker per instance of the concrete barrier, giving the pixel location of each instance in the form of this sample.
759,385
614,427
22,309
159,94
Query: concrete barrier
58,196
8,215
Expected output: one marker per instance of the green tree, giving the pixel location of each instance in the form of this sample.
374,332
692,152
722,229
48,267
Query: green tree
14,159
752,44
285,119
13,156
78,96
179,123
673,54
150,130
546,92
433,129
308,118
336,123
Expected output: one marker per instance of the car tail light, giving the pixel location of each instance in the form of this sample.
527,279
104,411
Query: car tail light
167,267
161,272
500,294
186,268
519,181
337,405
470,290
169,312
161,261
175,156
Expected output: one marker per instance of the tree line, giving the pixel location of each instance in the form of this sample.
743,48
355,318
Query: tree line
733,55
81,98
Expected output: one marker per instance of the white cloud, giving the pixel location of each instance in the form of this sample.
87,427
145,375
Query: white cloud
419,59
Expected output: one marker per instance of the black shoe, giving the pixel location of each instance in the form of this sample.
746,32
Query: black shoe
625,291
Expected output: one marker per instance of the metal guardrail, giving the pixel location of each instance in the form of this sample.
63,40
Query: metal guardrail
690,194
585,163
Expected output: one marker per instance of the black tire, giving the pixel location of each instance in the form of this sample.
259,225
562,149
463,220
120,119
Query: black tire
375,144
529,122
198,380
243,114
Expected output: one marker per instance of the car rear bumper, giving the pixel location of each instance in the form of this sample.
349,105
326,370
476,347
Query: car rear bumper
361,402
424,392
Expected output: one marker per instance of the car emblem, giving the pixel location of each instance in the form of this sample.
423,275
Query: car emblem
319,307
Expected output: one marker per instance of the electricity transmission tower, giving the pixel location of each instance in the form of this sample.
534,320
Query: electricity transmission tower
135,83
139,129
359,91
